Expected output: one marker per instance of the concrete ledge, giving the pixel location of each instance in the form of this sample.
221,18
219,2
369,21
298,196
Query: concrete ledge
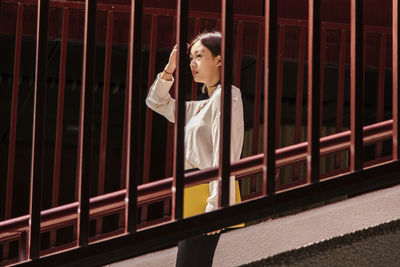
264,240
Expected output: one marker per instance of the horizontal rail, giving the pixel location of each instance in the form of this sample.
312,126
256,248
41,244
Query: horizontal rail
118,8
155,191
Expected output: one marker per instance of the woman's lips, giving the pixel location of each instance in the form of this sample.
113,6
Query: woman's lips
194,72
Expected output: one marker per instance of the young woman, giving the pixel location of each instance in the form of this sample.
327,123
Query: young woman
202,131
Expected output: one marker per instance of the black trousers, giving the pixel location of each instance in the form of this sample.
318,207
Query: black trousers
197,251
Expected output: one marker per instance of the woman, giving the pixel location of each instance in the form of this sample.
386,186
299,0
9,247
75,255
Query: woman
202,131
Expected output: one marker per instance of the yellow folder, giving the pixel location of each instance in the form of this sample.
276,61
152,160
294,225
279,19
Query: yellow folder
195,200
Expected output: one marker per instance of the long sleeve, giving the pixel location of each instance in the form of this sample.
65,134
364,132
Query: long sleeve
160,100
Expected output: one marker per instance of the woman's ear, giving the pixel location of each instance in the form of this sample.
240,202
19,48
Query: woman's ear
219,60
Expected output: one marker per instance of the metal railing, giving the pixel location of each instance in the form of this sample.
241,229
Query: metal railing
136,233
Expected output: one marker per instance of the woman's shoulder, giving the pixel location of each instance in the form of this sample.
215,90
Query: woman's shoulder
236,93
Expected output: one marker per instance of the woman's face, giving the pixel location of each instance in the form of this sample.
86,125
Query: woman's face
205,67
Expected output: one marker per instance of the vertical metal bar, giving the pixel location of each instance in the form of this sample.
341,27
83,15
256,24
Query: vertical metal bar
299,95
278,111
14,112
104,115
194,84
22,255
340,95
357,84
84,171
38,135
182,82
322,73
134,126
226,102
170,135
151,73
314,68
270,82
238,56
381,89
149,113
60,114
395,77
257,97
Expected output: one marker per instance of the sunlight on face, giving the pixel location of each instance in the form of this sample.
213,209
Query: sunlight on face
205,67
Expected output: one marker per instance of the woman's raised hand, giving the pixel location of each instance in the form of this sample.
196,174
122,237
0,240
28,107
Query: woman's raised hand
171,66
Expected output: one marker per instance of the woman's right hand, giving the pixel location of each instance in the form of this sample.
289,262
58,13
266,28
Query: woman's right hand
171,66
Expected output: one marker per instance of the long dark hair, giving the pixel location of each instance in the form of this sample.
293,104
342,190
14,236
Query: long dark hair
211,40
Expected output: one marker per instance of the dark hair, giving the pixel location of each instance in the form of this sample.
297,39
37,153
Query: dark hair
211,40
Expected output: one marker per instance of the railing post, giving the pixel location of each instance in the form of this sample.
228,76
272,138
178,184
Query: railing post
14,113
133,132
395,75
226,98
270,83
84,168
357,85
180,85
313,111
38,136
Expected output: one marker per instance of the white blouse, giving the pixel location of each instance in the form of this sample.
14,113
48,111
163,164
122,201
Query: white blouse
202,130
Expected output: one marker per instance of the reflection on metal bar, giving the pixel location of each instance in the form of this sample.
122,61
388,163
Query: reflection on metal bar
60,115
313,111
38,136
14,113
322,72
395,82
381,89
226,102
134,129
270,82
340,94
149,113
239,52
357,84
84,171
105,112
180,85
194,84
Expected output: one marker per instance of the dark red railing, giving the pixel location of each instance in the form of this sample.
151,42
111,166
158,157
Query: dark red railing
136,230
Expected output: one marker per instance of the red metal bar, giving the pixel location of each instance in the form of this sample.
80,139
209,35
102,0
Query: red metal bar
395,82
381,89
257,97
84,172
170,135
38,135
148,134
134,126
104,115
238,56
299,95
270,82
313,111
149,113
106,99
281,52
14,113
322,73
357,83
340,95
194,84
226,103
60,114
181,82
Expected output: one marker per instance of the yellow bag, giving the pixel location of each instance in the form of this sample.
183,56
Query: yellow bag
195,200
